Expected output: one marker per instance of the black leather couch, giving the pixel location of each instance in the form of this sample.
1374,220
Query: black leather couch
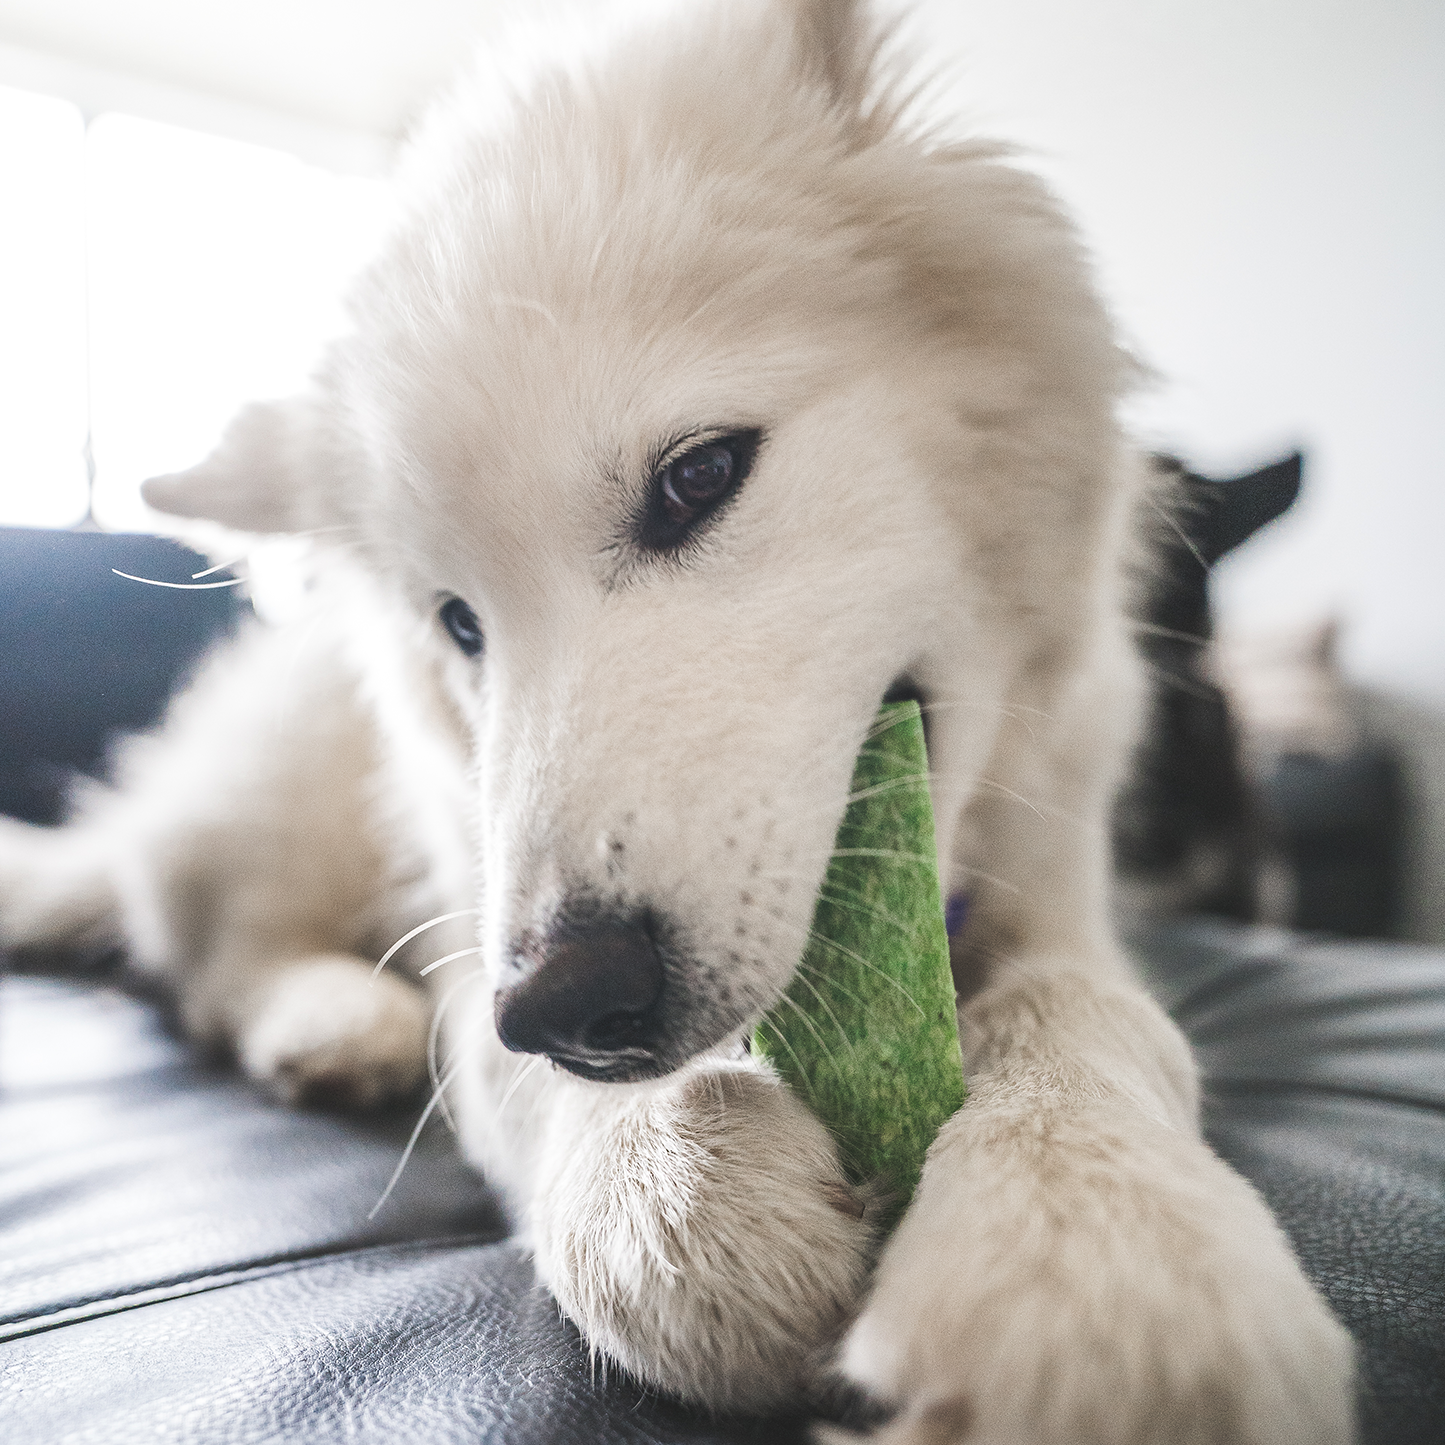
181,1261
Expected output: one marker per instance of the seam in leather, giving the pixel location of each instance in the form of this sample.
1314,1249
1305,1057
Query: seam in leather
1197,1000
24,1326
1239,1088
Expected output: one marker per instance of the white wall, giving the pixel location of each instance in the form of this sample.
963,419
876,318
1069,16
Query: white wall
1264,186
349,65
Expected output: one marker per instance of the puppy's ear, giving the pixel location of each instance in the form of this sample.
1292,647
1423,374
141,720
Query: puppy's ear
274,471
835,46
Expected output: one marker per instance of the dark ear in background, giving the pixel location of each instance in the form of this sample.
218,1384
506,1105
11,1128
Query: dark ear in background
1232,511
1204,518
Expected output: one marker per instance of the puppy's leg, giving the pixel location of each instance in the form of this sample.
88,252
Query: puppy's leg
1077,1266
267,909
304,1023
319,1028
239,861
56,888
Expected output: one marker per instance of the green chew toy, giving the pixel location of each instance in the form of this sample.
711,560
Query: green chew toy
867,1033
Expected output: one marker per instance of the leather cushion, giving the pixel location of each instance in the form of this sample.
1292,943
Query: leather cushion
85,653
129,1168
440,1343
1324,1066
1266,1008
1359,1184
181,1260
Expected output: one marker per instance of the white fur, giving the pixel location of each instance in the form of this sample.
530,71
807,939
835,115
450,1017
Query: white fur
719,221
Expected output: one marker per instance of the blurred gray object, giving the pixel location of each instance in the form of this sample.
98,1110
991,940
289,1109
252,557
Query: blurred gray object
1254,795
1336,825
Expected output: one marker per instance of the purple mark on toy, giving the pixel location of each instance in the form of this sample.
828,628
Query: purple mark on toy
955,913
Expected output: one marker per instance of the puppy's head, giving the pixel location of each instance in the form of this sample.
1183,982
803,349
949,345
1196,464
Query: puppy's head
697,402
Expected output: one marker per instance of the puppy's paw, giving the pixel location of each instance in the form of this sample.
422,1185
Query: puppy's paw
322,1030
701,1234
928,1422
1091,1277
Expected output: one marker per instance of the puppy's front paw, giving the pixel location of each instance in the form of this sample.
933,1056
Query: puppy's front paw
701,1234
1088,1277
323,1030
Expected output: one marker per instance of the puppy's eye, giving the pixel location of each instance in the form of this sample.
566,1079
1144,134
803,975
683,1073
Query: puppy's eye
695,481
461,622
695,484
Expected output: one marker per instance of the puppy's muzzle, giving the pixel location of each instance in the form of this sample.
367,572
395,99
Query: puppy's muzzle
589,998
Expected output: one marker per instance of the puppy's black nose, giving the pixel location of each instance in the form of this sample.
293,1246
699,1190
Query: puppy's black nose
588,999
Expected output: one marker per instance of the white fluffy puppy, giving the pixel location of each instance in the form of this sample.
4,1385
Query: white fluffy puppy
698,401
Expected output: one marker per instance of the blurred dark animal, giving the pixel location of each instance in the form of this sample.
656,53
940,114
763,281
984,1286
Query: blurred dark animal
1187,831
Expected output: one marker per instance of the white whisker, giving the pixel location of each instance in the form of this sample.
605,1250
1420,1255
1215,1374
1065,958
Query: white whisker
865,963
1009,793
219,567
823,1003
782,1038
1172,523
402,942
434,1037
525,303
857,958
832,982
911,780
179,586
521,1074
992,879
813,1029
845,901
1154,629
1170,678
460,953
411,1143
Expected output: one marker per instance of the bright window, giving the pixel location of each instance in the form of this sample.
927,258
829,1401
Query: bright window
42,311
154,280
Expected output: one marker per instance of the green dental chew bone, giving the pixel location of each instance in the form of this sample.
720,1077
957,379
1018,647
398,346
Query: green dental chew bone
867,1033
